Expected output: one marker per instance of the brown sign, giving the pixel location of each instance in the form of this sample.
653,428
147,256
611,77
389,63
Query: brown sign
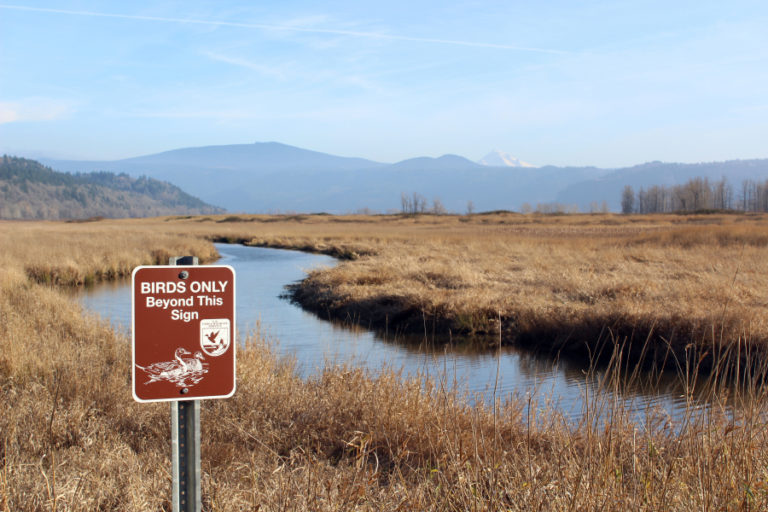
183,333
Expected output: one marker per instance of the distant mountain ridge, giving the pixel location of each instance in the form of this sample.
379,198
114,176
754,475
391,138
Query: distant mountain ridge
30,190
274,177
232,157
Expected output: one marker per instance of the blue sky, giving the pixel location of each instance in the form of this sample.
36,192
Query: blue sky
555,82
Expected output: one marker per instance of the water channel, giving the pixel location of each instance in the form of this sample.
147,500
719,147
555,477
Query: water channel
315,343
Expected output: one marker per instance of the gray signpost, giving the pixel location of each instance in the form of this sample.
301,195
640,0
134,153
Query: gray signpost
185,441
185,447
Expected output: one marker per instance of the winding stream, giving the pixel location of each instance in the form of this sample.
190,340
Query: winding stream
316,343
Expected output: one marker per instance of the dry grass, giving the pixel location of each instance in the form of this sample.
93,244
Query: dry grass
73,254
71,438
693,285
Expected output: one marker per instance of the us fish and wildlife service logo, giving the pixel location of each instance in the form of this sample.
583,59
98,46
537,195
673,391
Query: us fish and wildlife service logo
215,336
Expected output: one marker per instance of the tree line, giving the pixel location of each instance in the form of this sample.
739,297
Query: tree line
415,204
695,195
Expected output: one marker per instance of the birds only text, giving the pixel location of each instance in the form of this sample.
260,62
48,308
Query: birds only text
204,294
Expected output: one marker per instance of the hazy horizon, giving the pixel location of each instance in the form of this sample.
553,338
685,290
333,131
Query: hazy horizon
46,156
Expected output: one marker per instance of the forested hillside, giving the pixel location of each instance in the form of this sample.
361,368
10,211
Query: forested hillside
29,190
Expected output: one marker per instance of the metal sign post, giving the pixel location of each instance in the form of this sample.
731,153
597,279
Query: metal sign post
185,447
185,442
184,351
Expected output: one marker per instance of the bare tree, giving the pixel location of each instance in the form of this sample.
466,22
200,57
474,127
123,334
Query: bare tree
745,186
419,203
437,207
628,200
641,201
413,204
721,195
405,203
699,193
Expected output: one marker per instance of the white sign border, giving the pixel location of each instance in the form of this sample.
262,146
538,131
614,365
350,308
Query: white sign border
133,334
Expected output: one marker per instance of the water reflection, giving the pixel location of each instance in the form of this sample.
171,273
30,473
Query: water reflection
315,343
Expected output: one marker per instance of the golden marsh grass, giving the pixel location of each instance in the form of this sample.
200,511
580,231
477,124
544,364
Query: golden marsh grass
692,285
71,438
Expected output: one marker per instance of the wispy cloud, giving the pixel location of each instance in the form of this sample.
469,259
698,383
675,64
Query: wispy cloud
289,28
33,109
247,64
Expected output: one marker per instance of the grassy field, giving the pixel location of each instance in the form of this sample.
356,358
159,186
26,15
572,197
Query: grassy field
671,290
71,437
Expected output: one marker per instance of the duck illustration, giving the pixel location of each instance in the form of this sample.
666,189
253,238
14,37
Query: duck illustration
180,370
195,363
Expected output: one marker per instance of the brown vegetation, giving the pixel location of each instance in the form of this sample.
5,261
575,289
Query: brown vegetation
71,438
692,285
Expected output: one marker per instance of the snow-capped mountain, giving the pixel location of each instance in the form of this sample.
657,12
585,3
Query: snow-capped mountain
501,159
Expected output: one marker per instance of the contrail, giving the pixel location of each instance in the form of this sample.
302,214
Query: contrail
263,26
